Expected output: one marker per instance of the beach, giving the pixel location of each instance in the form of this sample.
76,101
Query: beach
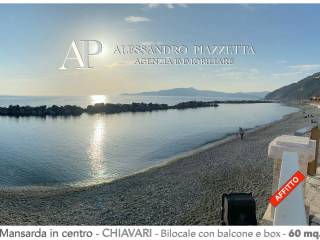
185,191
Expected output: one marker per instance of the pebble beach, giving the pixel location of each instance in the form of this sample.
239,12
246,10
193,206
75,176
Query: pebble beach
184,191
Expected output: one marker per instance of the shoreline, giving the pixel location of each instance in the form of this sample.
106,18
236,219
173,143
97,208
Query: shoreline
209,145
164,162
185,191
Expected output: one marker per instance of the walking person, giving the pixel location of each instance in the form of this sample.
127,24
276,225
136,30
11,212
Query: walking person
241,133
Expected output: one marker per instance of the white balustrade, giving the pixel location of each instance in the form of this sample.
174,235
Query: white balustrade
290,154
291,211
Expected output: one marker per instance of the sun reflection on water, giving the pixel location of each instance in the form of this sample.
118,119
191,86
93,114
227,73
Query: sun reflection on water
95,150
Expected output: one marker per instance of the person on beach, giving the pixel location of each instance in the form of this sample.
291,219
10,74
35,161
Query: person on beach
241,132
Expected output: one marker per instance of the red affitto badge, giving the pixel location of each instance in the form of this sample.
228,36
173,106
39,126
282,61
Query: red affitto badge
286,189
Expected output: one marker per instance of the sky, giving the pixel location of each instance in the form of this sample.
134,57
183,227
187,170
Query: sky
34,40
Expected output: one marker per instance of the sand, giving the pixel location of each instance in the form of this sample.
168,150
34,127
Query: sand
184,191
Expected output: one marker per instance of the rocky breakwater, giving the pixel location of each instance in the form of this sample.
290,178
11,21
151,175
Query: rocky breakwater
41,111
109,108
118,108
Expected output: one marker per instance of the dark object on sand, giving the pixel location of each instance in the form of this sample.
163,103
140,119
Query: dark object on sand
308,116
313,121
238,209
241,132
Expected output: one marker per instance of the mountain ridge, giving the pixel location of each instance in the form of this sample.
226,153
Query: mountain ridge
193,92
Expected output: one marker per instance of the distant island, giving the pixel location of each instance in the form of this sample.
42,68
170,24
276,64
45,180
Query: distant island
193,92
303,89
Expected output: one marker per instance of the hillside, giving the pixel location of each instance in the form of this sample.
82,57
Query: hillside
304,89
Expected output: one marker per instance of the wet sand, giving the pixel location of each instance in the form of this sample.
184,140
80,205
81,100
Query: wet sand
184,191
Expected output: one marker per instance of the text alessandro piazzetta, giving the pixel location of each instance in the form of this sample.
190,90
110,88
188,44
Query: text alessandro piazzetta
158,54
183,54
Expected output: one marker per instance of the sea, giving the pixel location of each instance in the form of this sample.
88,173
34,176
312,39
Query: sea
91,149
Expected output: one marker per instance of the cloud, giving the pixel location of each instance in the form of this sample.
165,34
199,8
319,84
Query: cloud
298,71
239,74
281,61
136,19
305,67
286,74
169,6
153,5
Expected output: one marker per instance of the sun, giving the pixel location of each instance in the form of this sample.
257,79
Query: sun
98,99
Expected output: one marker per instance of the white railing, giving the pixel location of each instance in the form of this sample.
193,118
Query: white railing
290,154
